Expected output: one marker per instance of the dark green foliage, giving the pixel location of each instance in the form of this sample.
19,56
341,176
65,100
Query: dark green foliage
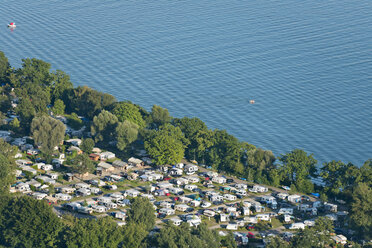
229,241
166,145
86,101
186,237
4,68
26,222
160,115
61,83
361,210
33,72
88,233
126,133
6,177
141,212
47,133
87,145
82,164
134,235
103,127
297,167
277,242
59,107
126,111
74,121
27,112
317,236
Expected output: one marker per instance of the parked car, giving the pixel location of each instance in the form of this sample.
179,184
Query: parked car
229,180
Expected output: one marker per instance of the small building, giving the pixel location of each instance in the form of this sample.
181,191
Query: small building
282,195
246,211
120,215
82,185
66,190
39,196
190,169
241,186
83,192
181,207
191,187
69,177
209,213
135,162
164,185
193,179
251,219
132,192
74,142
264,217
258,189
175,172
294,198
330,207
165,204
220,180
106,155
287,218
195,203
47,167
94,157
106,167
76,149
167,211
339,239
121,165
175,190
63,197
286,211
175,220
298,225
229,197
224,217
99,209
232,226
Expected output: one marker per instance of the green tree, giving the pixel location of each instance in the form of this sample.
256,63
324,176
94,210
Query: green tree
15,124
134,235
61,83
277,242
103,127
59,107
160,115
141,212
6,174
87,145
87,233
361,210
297,167
4,68
35,72
47,133
130,112
86,101
27,112
27,222
165,146
82,164
126,133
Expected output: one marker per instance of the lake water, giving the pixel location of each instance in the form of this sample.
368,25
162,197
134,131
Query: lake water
307,64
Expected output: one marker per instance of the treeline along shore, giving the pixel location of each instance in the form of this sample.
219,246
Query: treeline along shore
34,100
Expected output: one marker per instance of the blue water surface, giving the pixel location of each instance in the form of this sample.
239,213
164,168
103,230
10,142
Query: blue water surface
307,64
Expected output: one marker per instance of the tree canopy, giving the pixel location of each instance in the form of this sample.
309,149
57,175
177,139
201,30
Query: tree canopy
82,164
126,111
47,133
27,222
